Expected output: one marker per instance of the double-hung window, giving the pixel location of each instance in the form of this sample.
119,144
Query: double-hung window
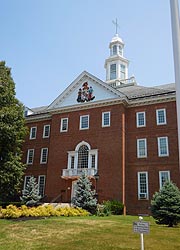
46,131
142,185
141,148
163,149
44,155
41,184
163,177
33,131
161,116
64,125
106,119
84,122
140,119
30,156
26,180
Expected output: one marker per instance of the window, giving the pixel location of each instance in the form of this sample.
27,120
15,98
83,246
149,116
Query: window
141,119
41,184
44,155
141,148
161,116
33,133
84,122
30,156
64,125
163,177
46,131
83,157
142,185
120,50
163,146
115,50
106,119
112,71
123,71
26,180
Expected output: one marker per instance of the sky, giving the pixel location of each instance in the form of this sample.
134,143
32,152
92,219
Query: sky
48,43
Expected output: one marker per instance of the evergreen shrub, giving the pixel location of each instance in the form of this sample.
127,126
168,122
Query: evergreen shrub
114,207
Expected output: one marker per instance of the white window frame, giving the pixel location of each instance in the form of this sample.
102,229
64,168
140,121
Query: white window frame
159,146
42,150
62,124
39,177
44,131
75,154
143,195
161,176
137,119
138,148
81,122
103,120
26,180
28,155
31,133
157,117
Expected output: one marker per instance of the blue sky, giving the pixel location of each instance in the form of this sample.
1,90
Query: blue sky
48,43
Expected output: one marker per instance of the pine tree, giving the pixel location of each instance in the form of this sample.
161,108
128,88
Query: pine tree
12,133
30,195
165,205
84,195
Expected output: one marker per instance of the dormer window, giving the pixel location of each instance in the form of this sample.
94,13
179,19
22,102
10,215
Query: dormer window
112,71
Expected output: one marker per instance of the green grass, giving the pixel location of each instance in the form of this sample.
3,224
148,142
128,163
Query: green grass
92,233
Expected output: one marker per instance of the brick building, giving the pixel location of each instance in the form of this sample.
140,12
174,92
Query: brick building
123,135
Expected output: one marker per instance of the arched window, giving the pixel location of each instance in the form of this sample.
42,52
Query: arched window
83,156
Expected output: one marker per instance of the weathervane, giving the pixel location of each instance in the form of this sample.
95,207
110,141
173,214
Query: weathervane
116,24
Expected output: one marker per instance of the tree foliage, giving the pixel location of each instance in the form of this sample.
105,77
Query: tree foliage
84,195
165,205
31,192
12,133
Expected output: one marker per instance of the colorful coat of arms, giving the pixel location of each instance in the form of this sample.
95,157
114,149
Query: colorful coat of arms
85,94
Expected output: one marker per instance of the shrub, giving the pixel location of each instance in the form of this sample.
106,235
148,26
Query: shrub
12,211
115,207
102,210
165,205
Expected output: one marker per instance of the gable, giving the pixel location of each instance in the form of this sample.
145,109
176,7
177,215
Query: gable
85,89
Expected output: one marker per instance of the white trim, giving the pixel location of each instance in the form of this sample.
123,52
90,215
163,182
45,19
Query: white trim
28,153
44,129
159,148
62,121
143,195
138,148
30,136
80,123
160,177
43,183
157,117
137,119
42,149
109,113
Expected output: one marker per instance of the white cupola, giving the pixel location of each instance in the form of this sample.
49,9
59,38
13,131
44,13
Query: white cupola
116,64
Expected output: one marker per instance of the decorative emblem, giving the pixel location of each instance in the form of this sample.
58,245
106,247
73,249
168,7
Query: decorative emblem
85,94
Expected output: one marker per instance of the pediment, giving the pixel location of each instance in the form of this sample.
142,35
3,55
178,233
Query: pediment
86,88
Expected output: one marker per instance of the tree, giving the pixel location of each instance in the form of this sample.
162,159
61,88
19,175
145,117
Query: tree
165,205
12,133
84,195
31,193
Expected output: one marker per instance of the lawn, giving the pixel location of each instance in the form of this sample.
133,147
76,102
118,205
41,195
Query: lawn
86,233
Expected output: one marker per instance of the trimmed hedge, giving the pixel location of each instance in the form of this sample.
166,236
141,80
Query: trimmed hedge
12,211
